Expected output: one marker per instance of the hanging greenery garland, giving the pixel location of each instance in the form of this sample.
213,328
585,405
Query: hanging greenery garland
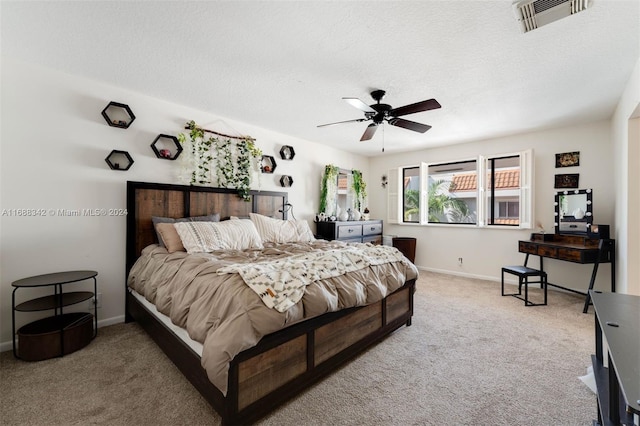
224,163
199,157
359,189
248,155
328,189
234,163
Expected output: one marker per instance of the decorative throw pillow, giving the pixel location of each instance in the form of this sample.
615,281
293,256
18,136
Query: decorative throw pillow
281,231
170,237
202,237
157,219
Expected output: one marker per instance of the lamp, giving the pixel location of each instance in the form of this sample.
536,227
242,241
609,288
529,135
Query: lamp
287,207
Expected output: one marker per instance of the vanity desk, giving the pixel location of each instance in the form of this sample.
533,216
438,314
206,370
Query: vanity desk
576,249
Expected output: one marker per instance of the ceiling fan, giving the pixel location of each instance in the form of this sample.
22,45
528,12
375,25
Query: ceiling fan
379,113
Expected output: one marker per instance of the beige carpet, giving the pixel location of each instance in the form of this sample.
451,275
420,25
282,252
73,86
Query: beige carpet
470,357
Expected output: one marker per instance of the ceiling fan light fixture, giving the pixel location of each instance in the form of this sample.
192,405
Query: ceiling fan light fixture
378,113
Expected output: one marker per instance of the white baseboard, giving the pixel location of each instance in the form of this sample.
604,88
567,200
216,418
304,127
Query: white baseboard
463,274
8,346
507,280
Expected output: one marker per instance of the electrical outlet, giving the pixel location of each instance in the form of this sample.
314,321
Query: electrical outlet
96,301
459,261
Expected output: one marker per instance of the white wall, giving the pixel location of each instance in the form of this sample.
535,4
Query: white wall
54,141
53,144
626,140
485,251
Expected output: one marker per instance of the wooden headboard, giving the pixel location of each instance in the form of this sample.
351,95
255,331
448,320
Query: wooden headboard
166,200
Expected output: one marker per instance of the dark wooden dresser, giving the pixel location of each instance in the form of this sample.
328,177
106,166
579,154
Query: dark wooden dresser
362,231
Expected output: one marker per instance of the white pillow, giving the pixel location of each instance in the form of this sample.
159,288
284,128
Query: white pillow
202,237
281,231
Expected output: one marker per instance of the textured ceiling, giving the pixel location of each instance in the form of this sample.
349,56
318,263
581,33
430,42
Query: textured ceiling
285,65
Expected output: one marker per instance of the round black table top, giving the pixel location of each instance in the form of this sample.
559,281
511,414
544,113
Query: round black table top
54,279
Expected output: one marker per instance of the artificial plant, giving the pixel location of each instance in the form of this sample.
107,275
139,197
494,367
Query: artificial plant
359,187
233,161
328,189
198,154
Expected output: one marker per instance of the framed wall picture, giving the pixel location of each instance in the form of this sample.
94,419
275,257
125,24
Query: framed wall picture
567,181
568,159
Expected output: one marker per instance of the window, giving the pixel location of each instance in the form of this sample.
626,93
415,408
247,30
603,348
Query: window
489,191
503,190
411,194
508,209
452,192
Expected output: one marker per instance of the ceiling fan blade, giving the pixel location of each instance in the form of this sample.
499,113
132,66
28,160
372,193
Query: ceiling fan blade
411,125
368,134
360,105
340,122
413,108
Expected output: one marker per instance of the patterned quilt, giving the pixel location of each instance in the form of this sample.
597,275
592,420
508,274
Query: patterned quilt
281,283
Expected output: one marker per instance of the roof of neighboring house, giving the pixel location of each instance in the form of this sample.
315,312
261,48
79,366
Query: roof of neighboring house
342,182
505,179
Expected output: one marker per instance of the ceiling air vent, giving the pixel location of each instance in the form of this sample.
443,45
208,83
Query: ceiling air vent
535,13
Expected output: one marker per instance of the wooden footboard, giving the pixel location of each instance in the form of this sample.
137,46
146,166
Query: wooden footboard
286,362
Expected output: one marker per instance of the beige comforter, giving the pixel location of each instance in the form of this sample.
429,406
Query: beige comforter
224,314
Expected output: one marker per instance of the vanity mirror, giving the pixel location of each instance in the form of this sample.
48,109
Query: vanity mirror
574,211
344,197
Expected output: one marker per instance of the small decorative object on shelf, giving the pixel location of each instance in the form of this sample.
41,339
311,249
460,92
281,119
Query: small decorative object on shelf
118,115
119,160
286,181
268,164
166,147
287,152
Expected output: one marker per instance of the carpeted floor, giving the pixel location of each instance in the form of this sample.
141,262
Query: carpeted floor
470,357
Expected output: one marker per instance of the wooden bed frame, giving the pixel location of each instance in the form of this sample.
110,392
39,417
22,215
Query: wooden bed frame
283,363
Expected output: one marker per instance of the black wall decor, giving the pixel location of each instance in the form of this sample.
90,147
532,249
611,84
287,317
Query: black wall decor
567,180
286,181
268,164
166,147
287,152
568,159
119,115
119,160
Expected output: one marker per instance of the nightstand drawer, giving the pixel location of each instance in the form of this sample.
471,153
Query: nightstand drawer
371,229
349,231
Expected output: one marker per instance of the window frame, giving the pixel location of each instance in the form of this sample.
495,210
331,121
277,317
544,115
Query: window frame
404,195
395,194
490,215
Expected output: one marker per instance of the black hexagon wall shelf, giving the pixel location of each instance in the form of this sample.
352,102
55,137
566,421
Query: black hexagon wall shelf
166,147
287,152
286,181
118,115
119,160
268,164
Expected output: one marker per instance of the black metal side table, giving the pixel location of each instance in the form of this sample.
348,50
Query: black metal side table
41,336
